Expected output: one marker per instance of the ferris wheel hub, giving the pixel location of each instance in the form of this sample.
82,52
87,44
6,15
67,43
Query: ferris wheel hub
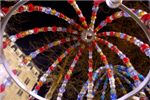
87,36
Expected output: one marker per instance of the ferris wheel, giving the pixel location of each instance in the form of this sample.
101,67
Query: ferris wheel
85,36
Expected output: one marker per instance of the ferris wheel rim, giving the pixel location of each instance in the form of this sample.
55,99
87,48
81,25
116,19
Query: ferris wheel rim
2,56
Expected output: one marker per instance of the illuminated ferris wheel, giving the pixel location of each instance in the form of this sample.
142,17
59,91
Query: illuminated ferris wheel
85,36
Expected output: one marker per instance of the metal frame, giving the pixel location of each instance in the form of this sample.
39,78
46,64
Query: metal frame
134,16
21,85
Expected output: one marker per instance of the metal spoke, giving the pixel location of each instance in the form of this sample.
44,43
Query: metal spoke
143,46
79,12
69,73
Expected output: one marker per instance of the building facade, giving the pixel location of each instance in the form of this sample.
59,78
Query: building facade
26,74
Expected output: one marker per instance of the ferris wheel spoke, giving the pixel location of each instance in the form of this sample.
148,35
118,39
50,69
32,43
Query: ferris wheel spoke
122,75
95,77
95,9
140,77
32,8
69,73
122,70
118,15
79,12
108,71
37,30
125,60
52,67
123,57
104,89
125,79
46,47
120,85
99,82
90,74
56,83
143,46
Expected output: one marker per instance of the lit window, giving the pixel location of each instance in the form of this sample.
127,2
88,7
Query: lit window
14,47
27,81
20,92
